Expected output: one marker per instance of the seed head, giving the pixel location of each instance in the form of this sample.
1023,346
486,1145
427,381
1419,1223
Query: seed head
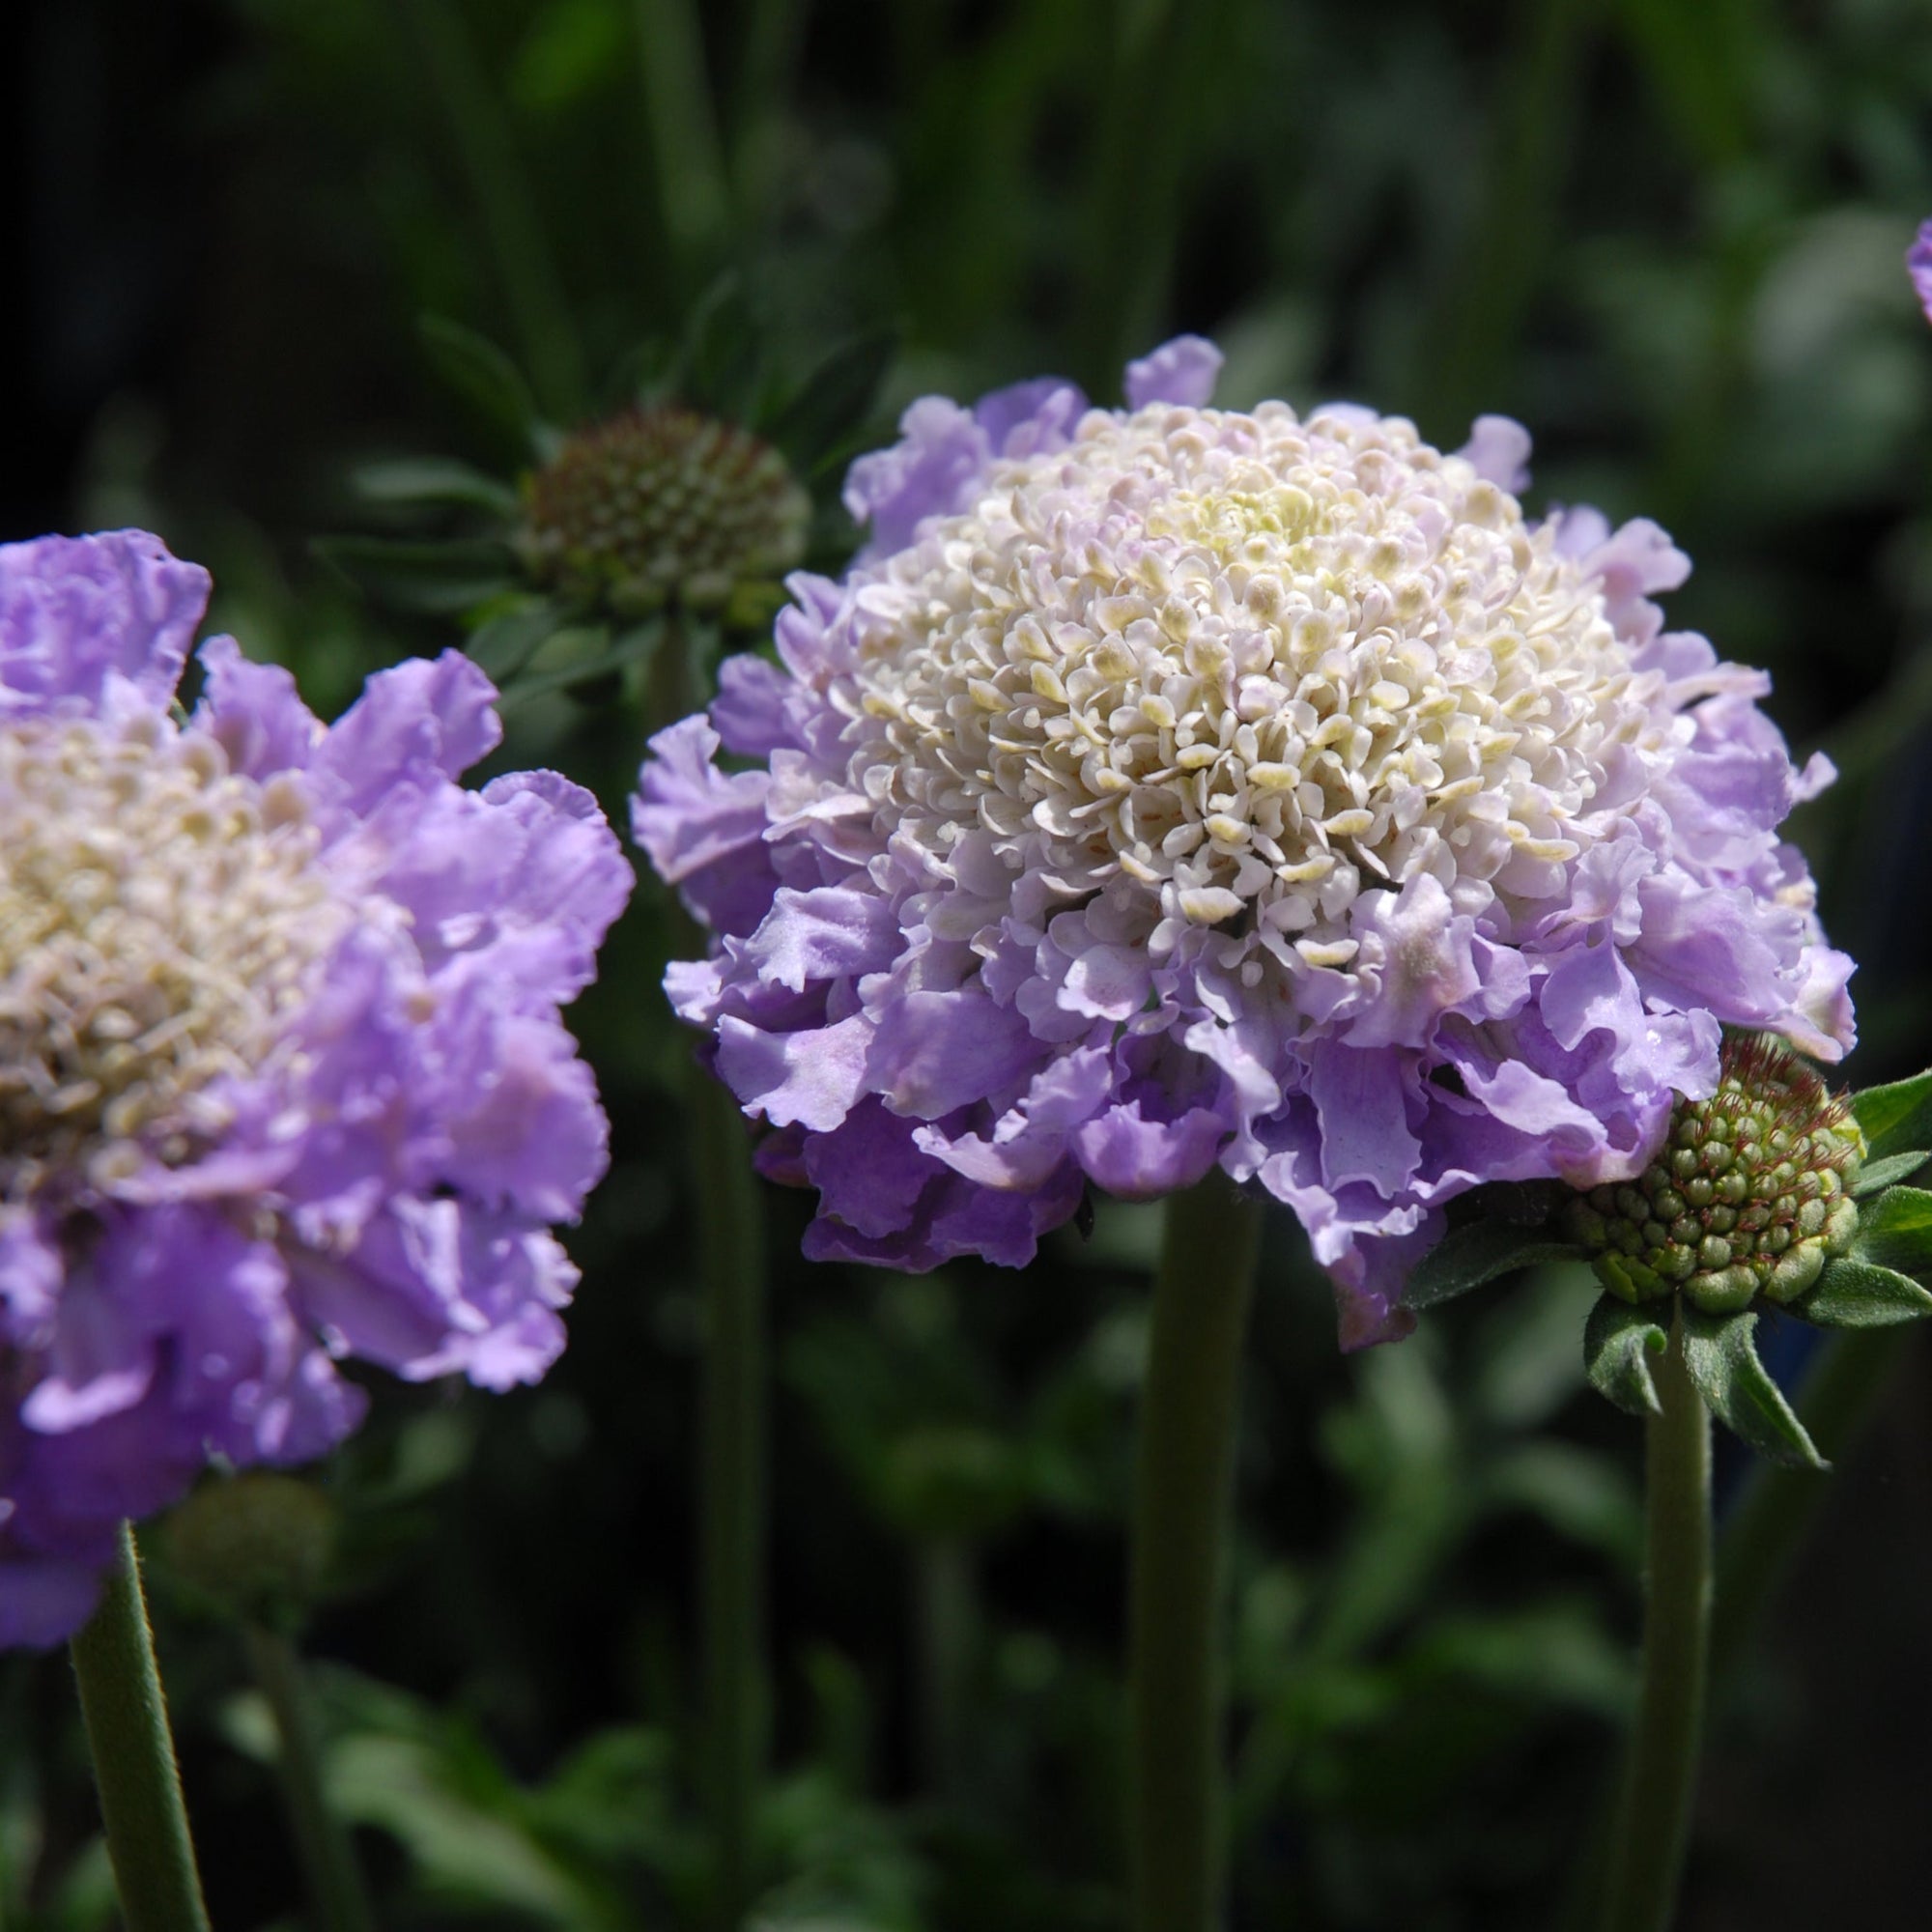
661,504
1749,1194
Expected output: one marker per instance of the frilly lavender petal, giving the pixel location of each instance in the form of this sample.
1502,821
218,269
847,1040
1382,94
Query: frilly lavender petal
286,1082
1173,787
1918,266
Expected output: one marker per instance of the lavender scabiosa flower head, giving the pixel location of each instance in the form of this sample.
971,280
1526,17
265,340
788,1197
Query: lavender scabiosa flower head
1174,786
282,1076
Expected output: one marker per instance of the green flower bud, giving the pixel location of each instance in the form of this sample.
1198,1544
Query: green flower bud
1749,1194
661,506
257,1545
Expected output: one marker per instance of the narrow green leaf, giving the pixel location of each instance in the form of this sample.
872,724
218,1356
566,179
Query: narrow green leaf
478,370
637,644
1855,1294
1722,1361
832,406
440,577
1875,1175
1896,1119
1469,1256
434,480
1895,1230
1617,1342
508,642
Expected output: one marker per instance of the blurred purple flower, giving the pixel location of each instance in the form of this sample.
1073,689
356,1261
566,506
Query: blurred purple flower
1173,787
1918,266
282,1076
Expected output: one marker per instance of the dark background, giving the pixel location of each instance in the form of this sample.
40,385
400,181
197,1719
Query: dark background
1669,239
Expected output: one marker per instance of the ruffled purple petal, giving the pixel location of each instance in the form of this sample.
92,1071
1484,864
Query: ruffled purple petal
1918,266
77,612
1182,371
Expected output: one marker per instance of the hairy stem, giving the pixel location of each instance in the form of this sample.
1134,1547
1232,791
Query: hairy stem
133,1749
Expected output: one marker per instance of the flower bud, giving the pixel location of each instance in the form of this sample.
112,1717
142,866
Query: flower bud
1748,1195
662,504
257,1545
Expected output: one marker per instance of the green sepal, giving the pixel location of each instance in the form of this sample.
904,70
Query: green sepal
1875,1175
504,644
1477,1252
434,480
817,424
439,579
1721,1360
473,366
1895,1230
1618,1341
1856,1294
1896,1119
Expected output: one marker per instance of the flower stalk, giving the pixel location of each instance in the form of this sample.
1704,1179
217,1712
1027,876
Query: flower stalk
329,1863
732,1502
1660,1774
135,1770
1184,1493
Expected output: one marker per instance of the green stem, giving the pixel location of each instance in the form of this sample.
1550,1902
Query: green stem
1774,1516
1660,1774
687,156
133,1750
946,1614
1506,254
1183,1497
732,1502
489,156
327,1858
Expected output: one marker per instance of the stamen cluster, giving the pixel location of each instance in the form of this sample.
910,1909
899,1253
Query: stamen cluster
160,917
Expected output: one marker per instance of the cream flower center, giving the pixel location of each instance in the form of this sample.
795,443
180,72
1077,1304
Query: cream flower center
1245,667
158,917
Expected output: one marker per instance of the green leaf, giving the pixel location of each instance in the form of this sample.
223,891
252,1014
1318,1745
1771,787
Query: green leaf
820,420
1875,1175
720,364
478,370
1469,1256
1853,1293
1722,1361
1617,1342
1896,1119
637,644
438,578
434,479
1895,1230
508,642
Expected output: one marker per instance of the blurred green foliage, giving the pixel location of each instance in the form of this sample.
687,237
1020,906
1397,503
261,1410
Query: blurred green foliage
1666,236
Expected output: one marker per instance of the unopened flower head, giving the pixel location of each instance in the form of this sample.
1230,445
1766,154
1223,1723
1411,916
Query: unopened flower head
660,503
1178,786
282,1076
1748,1195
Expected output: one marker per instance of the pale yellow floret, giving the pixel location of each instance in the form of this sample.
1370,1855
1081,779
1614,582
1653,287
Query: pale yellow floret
158,920
1247,667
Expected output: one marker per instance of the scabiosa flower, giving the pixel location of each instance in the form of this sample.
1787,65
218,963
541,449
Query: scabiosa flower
661,503
282,1077
1177,786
